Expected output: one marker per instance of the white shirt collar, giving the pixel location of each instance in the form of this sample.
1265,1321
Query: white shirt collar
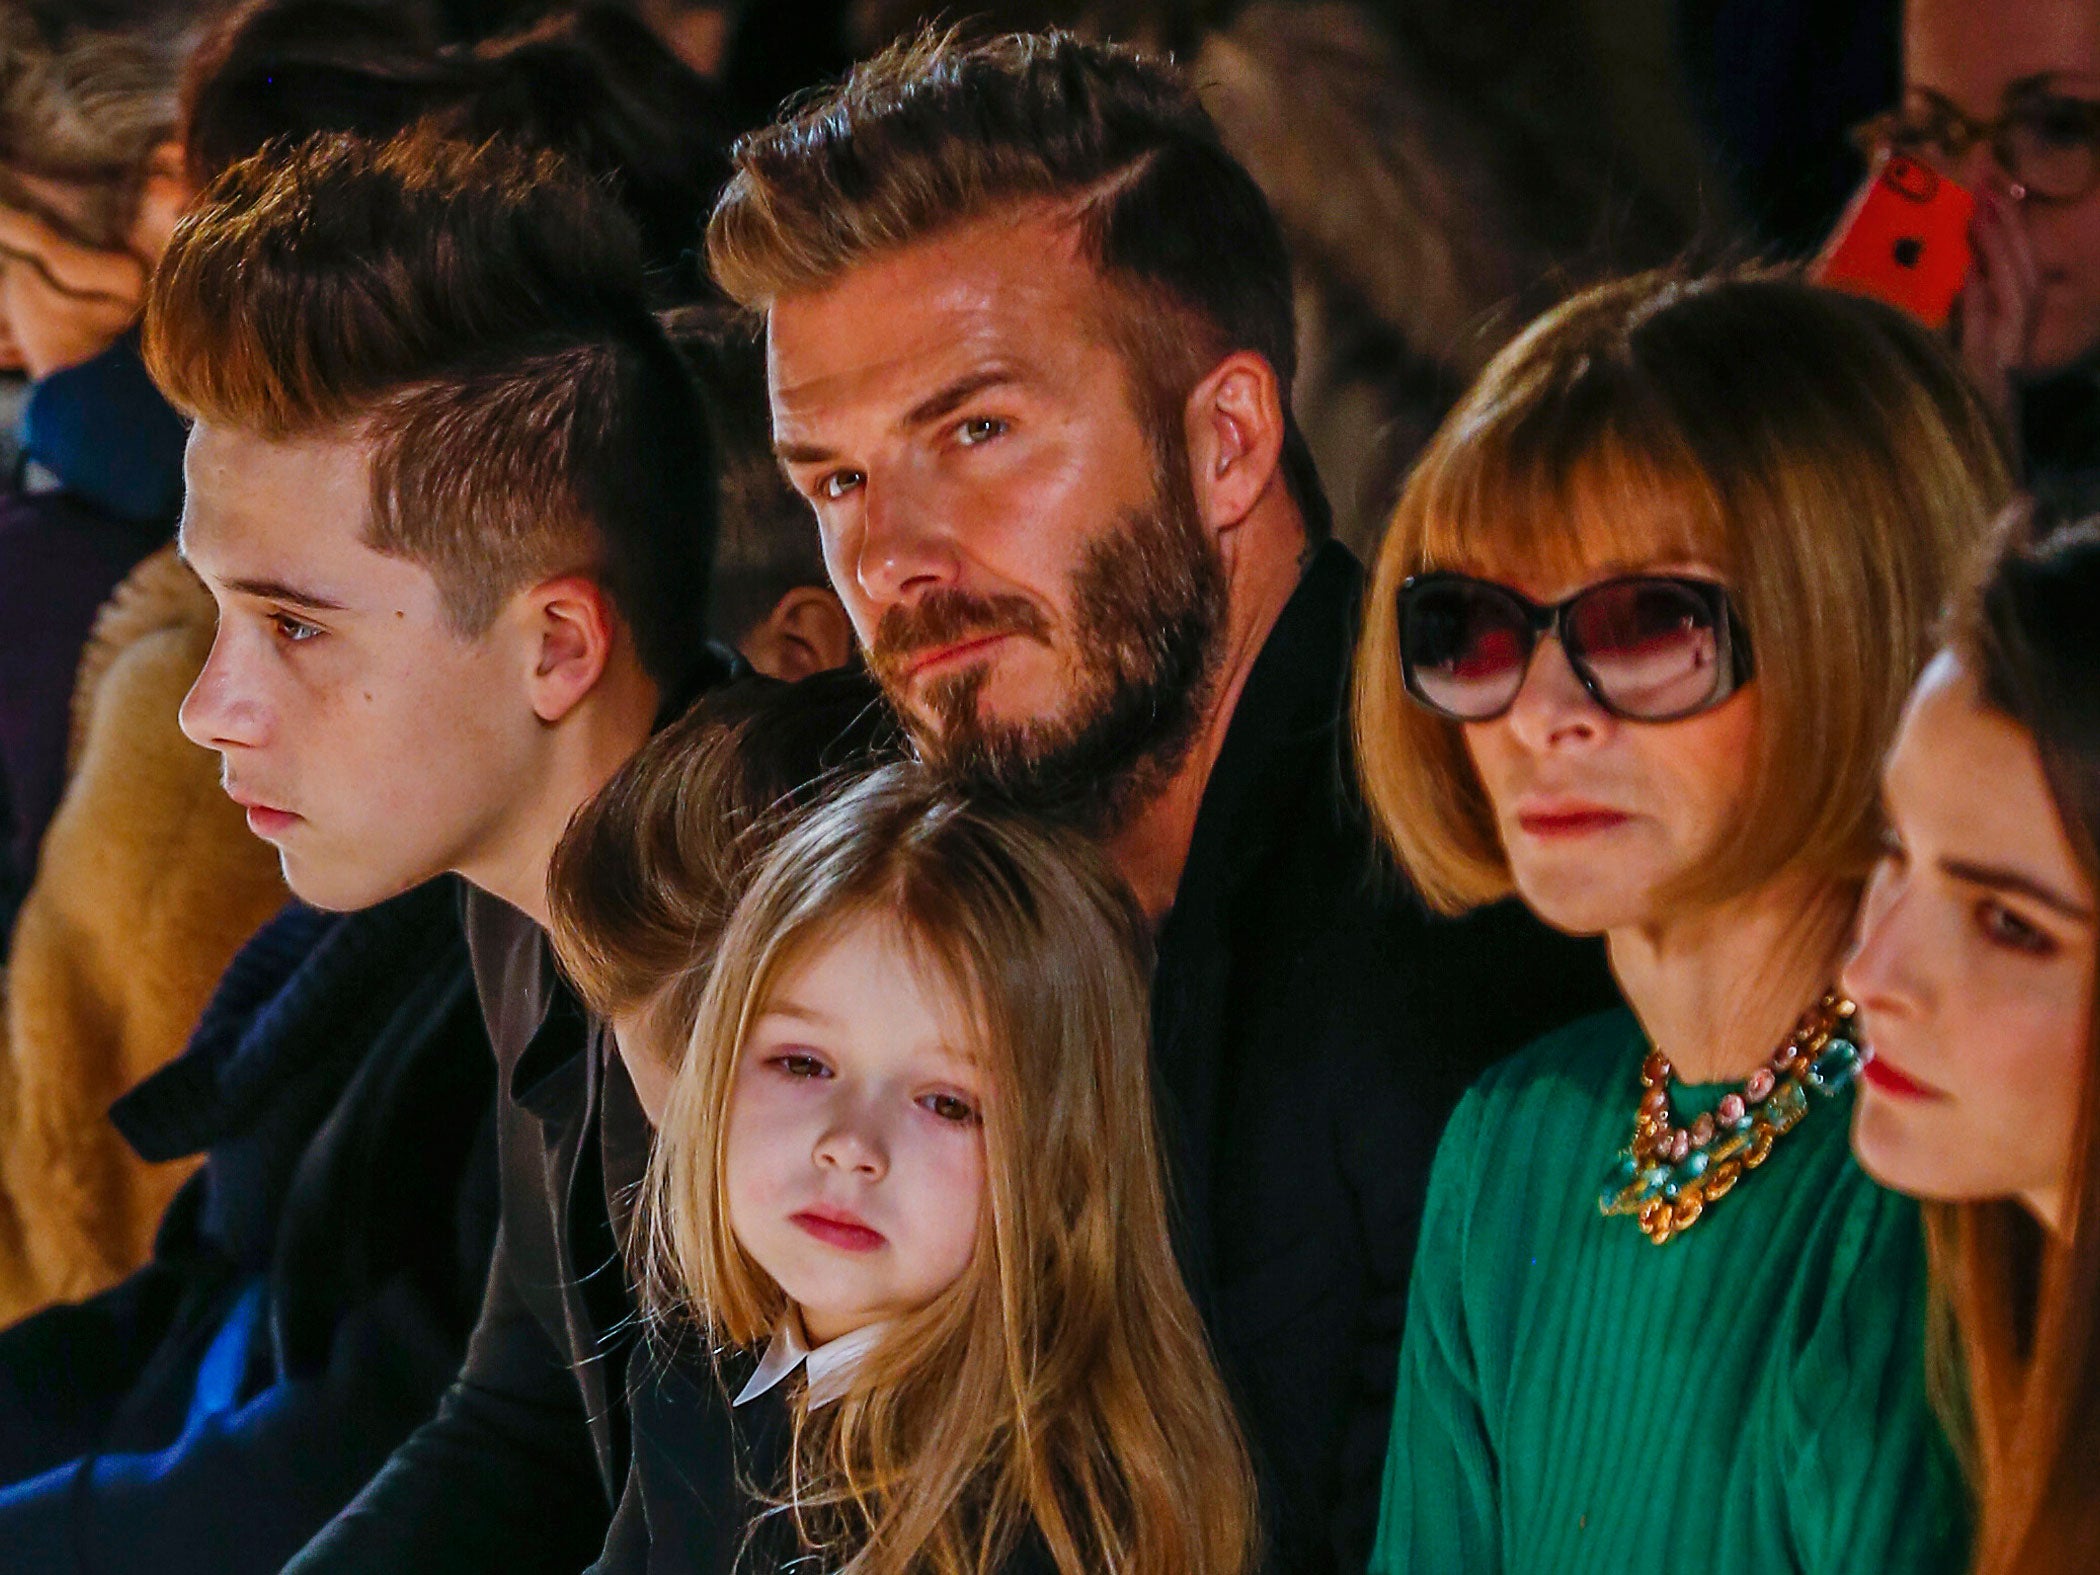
831,1365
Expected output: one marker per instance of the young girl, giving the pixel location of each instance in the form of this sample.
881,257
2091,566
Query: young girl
1975,973
906,1186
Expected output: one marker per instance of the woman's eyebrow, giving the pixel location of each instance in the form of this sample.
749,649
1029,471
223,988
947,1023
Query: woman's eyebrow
798,1012
2001,879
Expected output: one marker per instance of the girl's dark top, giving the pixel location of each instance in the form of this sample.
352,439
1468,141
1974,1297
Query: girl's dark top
690,1503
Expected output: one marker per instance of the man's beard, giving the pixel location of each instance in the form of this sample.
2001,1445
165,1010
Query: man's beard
1147,629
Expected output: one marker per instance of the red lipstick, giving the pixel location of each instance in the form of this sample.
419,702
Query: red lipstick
1887,1079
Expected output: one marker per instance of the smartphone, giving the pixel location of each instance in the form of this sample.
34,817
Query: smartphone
1904,239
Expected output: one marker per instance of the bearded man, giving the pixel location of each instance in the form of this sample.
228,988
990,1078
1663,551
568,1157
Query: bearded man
1030,354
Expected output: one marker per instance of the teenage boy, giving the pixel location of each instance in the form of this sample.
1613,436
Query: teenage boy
449,484
1031,347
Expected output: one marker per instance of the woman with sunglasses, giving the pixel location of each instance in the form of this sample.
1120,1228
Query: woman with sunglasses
1975,974
1639,633
2006,100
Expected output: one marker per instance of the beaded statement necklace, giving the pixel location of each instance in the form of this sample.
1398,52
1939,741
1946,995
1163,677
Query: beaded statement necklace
1669,1175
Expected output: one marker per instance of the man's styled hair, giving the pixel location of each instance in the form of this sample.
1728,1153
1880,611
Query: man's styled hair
934,133
477,315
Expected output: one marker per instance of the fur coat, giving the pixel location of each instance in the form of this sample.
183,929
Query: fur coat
148,884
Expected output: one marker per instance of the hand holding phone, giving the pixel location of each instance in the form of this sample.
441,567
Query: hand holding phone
1904,239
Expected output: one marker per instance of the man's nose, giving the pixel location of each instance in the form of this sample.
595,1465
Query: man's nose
907,544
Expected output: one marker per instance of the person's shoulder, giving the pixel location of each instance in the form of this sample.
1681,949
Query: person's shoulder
1575,1068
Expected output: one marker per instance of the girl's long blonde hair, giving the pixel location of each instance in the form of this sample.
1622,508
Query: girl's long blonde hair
1063,1387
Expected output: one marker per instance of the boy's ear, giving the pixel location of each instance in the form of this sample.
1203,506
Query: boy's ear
572,630
806,632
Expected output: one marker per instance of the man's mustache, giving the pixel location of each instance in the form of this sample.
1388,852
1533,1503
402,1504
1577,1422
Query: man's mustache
943,618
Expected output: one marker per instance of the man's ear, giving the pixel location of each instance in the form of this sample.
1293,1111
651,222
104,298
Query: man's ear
1235,420
806,632
572,630
164,195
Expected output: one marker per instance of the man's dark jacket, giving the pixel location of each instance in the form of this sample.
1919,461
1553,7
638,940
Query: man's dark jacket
312,1286
1314,1026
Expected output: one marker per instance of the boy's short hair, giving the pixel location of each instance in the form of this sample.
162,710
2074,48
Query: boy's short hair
477,315
766,539
644,880
936,132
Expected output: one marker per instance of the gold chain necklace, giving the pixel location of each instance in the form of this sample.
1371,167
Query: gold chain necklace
1669,1175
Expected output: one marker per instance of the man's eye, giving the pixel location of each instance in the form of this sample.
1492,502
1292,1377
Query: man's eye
2005,928
979,429
294,631
949,1107
839,483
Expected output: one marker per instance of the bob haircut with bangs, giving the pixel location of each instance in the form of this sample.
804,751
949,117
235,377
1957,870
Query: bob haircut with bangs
1821,453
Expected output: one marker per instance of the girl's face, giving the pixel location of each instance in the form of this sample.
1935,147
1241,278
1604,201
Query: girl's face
855,1151
1974,964
1599,816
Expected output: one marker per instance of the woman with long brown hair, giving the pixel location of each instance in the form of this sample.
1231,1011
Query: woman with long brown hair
1975,972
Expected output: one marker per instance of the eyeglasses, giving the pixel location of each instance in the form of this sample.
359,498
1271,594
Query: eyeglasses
1647,647
2047,142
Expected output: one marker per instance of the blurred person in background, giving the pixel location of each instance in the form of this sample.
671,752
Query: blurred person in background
91,184
124,924
589,81
1975,976
2006,100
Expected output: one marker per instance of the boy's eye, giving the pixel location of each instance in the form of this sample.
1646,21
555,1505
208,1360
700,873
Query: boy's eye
979,429
799,1063
2005,928
949,1107
839,483
295,631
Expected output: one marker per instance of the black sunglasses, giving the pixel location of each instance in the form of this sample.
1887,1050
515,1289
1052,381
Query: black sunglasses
1647,647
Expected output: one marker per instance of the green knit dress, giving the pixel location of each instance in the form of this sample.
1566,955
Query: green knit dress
1749,1397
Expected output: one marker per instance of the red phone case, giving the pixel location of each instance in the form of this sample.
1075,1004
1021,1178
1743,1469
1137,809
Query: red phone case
1904,240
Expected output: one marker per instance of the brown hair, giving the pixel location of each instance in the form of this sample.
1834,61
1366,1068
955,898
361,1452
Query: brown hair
84,108
766,541
476,315
1063,1386
2025,1306
590,82
644,879
1822,453
934,133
